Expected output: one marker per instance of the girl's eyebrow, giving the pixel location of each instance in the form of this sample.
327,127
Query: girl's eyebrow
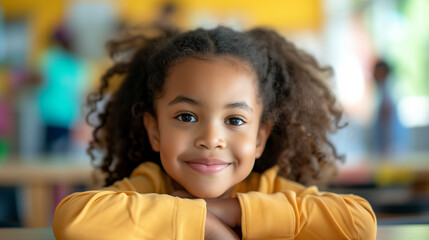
181,98
241,105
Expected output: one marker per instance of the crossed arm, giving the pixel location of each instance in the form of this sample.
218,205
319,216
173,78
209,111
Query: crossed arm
296,213
130,215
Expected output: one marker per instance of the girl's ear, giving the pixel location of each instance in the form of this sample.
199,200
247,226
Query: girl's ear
151,126
263,134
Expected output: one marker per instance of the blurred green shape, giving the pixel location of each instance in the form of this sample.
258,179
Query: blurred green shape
4,150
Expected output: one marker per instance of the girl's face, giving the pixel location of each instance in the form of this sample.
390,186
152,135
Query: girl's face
207,128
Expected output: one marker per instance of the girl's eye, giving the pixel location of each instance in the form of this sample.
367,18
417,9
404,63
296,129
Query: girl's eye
235,121
186,117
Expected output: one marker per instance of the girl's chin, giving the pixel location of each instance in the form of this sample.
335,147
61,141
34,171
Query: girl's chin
205,195
212,195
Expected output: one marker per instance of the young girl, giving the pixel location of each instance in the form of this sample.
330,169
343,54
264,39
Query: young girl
206,137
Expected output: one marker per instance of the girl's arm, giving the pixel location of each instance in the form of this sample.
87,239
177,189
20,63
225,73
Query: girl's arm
131,209
128,215
282,209
305,213
284,215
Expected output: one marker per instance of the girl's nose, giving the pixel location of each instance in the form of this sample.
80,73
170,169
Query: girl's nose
211,137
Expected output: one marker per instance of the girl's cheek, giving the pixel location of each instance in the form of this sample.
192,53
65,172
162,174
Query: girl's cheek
244,147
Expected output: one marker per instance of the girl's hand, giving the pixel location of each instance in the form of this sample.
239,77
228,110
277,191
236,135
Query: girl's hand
182,194
228,210
216,229
221,213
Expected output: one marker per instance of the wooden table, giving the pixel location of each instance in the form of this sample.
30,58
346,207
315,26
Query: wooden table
393,232
36,177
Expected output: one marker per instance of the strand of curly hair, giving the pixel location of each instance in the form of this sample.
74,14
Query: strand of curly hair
308,111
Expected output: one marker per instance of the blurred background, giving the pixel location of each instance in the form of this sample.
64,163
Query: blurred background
52,53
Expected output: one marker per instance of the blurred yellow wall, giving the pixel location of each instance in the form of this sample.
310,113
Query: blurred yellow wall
282,14
286,15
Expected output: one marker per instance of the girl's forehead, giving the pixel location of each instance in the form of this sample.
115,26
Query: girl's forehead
232,61
203,77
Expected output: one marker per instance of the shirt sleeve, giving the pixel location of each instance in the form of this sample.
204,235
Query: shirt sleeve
121,212
305,213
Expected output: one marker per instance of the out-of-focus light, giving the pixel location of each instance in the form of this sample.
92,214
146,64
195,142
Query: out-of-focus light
350,81
414,111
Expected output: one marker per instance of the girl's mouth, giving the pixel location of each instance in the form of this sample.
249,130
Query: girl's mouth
208,166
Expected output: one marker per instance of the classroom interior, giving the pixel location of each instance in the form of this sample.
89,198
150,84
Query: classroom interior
379,50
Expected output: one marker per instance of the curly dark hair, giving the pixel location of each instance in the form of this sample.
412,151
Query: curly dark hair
292,85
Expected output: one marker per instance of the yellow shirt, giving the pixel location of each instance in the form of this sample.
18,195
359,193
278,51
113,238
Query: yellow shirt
139,207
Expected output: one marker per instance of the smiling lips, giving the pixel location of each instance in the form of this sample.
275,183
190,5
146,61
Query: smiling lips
207,166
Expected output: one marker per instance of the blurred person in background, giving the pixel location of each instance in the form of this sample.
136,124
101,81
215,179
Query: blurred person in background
385,108
63,76
166,15
390,136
